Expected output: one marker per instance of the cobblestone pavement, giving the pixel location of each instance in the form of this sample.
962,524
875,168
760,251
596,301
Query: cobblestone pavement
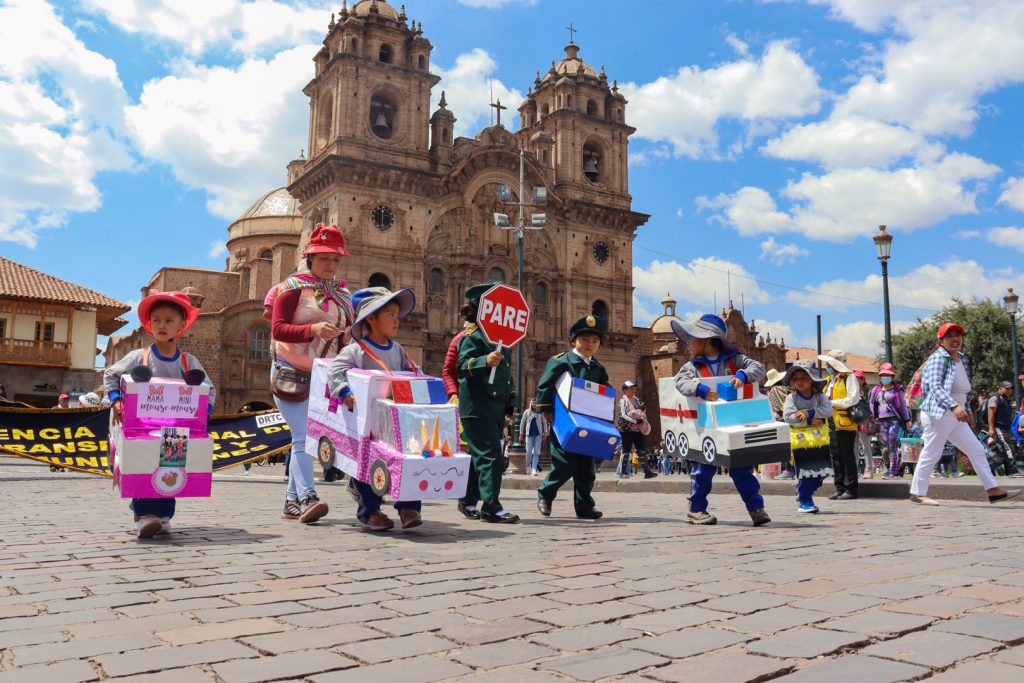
866,591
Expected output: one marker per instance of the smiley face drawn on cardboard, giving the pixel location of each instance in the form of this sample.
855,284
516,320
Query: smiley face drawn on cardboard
436,478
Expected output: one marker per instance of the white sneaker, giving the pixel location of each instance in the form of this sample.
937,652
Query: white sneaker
245,473
148,526
165,526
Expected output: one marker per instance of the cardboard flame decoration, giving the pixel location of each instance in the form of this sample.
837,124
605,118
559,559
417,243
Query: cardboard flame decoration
433,446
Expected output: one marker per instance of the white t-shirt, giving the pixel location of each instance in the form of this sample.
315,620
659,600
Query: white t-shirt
961,384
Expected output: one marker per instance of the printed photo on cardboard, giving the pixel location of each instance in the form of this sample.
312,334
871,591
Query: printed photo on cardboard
173,446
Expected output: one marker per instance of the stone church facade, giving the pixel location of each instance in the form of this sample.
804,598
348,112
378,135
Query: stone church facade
416,205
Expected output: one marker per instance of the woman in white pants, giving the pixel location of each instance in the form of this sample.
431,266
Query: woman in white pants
946,386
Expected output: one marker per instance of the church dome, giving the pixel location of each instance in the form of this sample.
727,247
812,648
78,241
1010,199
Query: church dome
663,323
275,203
571,65
365,8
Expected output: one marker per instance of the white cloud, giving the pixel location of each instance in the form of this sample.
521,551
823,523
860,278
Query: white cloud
60,122
643,316
844,204
926,288
680,212
218,249
848,142
738,46
968,234
952,52
684,109
220,129
246,27
864,337
1007,237
777,329
703,281
468,85
780,254
1013,194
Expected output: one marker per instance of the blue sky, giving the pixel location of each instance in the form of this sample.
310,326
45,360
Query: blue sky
773,137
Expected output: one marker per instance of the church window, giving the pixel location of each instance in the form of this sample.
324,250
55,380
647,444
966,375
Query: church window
436,282
592,162
355,45
383,217
266,255
423,62
568,101
379,280
445,135
387,54
496,275
600,309
259,343
545,110
325,119
382,117
540,293
601,252
591,108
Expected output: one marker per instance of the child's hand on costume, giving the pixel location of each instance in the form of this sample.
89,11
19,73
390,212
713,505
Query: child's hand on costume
350,402
737,382
116,410
712,395
494,359
801,415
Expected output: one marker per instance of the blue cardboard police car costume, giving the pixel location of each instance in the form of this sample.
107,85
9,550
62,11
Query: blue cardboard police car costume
573,388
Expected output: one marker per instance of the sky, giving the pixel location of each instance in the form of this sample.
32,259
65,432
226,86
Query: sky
773,137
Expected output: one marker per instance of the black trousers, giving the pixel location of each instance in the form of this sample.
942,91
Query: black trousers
631,439
1006,450
842,448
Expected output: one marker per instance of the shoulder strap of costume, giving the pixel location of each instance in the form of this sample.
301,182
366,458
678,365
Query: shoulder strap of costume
703,368
375,357
146,356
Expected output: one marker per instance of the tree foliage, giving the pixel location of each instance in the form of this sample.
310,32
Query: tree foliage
987,342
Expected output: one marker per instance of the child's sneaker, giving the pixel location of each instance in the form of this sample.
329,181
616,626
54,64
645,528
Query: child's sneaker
378,521
147,526
760,517
410,518
312,509
291,510
702,517
807,507
165,526
786,475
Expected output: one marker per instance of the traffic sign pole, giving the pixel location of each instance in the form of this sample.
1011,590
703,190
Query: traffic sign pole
495,368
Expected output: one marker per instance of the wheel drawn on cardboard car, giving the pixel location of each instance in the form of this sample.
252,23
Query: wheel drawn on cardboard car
380,478
709,449
671,445
325,452
684,445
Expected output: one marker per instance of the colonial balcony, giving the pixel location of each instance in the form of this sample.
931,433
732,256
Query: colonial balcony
32,352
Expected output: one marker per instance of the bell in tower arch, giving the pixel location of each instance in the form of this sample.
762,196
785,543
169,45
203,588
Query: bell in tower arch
590,169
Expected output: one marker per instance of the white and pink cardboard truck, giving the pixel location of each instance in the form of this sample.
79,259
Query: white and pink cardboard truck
161,448
401,438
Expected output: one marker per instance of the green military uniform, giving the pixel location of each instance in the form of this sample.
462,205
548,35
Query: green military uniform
482,409
565,465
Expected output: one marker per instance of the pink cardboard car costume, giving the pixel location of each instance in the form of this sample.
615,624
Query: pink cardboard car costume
161,448
402,438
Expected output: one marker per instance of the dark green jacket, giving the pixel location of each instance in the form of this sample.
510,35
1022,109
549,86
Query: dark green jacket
557,365
477,398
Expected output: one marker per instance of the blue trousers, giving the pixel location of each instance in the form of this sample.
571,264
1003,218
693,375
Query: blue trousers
370,502
158,507
743,477
806,487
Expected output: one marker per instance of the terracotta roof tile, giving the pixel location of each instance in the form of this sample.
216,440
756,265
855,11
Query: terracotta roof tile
18,281
853,361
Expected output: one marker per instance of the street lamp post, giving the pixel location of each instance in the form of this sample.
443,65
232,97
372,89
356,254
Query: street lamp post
538,221
883,243
1010,304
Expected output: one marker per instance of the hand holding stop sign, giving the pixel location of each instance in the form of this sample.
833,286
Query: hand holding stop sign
503,316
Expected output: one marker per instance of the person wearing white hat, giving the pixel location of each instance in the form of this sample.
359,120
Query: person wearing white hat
844,391
713,355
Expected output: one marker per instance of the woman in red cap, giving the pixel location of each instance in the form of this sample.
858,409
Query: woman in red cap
311,313
888,403
946,387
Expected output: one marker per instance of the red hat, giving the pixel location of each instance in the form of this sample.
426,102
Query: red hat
887,370
949,327
326,239
178,298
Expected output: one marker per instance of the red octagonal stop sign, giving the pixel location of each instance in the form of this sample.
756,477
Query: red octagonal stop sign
503,315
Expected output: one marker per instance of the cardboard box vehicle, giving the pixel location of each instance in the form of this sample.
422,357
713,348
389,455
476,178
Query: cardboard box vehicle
585,417
401,438
737,433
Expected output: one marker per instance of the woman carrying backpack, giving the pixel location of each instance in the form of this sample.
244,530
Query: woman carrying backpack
946,387
889,407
